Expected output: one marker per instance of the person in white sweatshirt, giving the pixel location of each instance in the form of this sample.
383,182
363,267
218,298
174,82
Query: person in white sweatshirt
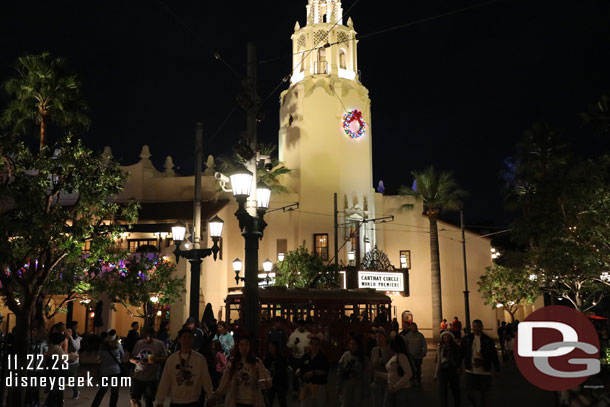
399,375
184,376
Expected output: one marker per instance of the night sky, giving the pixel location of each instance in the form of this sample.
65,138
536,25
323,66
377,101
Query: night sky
456,92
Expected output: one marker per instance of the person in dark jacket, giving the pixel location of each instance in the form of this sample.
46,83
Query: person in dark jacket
133,336
478,351
447,365
277,364
277,334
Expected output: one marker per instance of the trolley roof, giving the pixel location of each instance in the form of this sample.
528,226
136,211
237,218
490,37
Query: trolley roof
300,295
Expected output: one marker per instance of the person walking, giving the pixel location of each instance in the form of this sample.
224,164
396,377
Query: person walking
133,336
297,341
353,376
55,356
380,355
277,364
198,335
148,354
417,349
277,334
73,348
447,366
185,375
221,363
244,378
478,351
456,328
225,338
163,333
110,355
315,376
399,375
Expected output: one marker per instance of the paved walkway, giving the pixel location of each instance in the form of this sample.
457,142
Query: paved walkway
510,389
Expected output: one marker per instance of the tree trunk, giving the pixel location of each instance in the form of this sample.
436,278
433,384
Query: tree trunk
43,131
435,277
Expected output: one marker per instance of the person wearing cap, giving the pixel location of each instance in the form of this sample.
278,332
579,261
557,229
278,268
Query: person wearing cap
148,354
447,366
111,354
198,335
184,376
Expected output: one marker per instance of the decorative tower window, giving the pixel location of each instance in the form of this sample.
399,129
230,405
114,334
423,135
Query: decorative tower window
342,58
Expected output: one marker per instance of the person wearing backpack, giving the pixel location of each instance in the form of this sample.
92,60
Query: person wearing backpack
399,375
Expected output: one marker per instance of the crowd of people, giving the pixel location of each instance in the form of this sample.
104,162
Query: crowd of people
207,363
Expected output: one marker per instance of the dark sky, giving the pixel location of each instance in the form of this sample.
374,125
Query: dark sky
456,92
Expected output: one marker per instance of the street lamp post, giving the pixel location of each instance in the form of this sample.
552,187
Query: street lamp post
195,256
252,228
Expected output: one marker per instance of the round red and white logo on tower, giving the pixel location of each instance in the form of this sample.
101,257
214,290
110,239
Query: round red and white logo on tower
557,348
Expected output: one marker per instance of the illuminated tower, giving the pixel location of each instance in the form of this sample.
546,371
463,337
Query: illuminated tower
325,121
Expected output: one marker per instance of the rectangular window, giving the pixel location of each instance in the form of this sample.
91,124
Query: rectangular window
134,244
320,244
87,246
405,259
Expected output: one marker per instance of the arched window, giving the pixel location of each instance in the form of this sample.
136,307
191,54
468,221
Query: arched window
324,18
342,59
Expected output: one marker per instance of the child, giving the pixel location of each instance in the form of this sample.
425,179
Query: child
221,363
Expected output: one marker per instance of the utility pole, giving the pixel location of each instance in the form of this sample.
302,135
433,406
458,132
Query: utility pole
336,226
196,261
466,292
253,232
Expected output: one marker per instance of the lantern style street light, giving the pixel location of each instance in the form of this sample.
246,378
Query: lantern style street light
280,256
237,264
351,256
195,256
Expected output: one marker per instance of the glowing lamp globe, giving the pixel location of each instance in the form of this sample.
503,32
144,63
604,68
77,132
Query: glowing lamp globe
216,225
178,232
241,182
267,266
263,195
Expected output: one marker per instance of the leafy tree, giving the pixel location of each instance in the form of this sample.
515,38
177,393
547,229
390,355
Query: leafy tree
270,173
43,93
563,203
508,287
303,269
127,280
438,190
49,207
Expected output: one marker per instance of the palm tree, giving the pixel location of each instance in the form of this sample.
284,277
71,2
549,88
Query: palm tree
438,190
43,94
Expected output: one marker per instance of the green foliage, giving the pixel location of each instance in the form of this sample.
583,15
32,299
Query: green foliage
302,269
509,287
438,190
563,203
242,153
43,92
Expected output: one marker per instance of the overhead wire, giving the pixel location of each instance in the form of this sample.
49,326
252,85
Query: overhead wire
284,79
215,53
364,36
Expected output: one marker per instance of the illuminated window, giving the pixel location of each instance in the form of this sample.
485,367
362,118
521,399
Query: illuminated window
87,247
135,244
405,259
320,244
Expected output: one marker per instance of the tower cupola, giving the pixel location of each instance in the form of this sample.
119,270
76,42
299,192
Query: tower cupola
324,46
